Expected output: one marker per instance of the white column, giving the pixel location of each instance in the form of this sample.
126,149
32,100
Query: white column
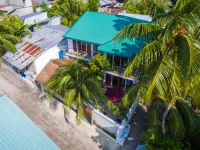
112,60
125,85
111,81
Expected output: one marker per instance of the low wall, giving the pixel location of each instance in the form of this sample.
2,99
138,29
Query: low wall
104,122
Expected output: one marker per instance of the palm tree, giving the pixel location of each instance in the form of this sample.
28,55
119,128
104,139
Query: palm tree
76,85
21,29
7,39
169,63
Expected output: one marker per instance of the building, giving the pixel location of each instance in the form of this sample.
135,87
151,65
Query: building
137,16
18,131
35,51
91,34
34,18
17,7
49,70
22,7
39,18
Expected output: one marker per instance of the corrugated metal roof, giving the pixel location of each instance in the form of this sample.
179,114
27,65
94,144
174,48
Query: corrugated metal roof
126,48
31,15
138,16
111,10
98,28
20,132
39,2
33,45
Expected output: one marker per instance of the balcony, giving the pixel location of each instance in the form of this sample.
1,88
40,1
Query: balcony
79,55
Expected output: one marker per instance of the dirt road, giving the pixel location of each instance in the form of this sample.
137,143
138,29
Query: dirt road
50,118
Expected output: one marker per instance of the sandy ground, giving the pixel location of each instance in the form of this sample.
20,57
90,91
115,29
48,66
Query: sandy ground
50,117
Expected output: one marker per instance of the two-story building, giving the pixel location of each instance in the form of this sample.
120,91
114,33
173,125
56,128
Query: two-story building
91,34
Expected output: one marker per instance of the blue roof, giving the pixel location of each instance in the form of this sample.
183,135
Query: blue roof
31,15
20,132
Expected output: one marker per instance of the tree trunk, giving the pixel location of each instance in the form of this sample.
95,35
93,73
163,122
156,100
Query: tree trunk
164,117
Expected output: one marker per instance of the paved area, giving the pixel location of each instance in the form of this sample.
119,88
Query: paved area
50,117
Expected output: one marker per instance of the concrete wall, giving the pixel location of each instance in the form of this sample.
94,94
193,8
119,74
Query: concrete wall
55,21
41,61
105,122
22,11
20,3
35,19
70,45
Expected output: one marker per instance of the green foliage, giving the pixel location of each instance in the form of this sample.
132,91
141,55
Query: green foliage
145,6
16,26
11,32
156,141
44,7
93,5
98,64
34,9
169,64
75,84
70,10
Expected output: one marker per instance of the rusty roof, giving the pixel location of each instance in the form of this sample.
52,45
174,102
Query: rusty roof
51,68
34,45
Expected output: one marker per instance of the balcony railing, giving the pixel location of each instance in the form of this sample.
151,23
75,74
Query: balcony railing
79,55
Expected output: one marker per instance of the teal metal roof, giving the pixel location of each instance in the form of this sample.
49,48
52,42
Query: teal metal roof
18,132
126,48
98,28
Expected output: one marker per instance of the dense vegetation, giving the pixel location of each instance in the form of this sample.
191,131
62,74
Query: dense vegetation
76,85
71,10
12,30
169,74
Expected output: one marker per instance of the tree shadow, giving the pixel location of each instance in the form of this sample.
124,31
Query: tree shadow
65,115
129,47
105,143
53,104
123,21
138,124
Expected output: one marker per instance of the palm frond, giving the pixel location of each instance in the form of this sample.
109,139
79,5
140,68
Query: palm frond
146,57
8,46
160,79
176,126
146,30
11,38
130,96
187,114
79,115
69,98
188,55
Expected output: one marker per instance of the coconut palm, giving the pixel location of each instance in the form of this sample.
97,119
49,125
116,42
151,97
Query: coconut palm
76,85
7,39
170,61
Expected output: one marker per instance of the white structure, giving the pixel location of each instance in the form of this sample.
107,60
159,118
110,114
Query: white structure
36,50
137,16
33,18
17,7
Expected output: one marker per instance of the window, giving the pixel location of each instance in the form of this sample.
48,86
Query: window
117,61
120,62
75,45
84,48
88,48
81,47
